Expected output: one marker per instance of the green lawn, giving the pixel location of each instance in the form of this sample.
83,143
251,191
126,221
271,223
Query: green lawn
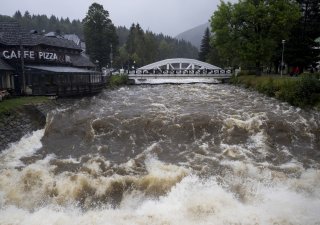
14,103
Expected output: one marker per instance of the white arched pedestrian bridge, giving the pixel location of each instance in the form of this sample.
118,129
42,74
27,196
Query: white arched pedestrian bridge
179,70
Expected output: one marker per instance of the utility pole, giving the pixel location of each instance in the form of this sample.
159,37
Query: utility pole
22,65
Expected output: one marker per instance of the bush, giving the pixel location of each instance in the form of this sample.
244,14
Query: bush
266,86
303,91
313,75
118,80
307,91
286,91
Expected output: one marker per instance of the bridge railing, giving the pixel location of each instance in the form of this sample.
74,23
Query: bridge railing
177,72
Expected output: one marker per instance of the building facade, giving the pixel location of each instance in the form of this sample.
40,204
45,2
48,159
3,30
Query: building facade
34,64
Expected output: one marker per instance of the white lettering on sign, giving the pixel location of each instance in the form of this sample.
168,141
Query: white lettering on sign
29,55
6,54
48,56
13,55
40,55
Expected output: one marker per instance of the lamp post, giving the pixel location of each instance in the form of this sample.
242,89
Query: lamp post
111,56
283,42
97,64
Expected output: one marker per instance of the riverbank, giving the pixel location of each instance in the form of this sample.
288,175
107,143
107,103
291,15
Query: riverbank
303,91
8,105
22,115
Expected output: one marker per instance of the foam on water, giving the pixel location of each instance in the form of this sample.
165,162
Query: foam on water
167,155
191,201
27,146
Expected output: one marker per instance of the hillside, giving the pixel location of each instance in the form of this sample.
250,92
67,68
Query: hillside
194,35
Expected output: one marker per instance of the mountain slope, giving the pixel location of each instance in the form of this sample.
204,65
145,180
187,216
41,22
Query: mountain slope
194,35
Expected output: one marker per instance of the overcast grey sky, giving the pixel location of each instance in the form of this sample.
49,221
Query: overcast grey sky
169,17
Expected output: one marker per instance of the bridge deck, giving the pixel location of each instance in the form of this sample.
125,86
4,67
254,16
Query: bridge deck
218,76
177,78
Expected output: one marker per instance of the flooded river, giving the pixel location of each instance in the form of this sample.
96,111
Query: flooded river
166,155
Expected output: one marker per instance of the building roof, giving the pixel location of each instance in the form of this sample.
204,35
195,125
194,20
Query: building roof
72,37
81,61
5,66
60,69
53,34
11,33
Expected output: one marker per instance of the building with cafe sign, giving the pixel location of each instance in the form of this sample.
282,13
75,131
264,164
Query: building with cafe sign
34,64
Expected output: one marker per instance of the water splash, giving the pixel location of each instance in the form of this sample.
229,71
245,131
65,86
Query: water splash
187,154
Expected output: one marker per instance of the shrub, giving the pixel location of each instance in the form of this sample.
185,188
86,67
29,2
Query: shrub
307,91
313,75
286,91
303,91
266,86
118,80
247,72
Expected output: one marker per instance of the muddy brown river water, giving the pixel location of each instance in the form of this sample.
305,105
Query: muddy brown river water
167,154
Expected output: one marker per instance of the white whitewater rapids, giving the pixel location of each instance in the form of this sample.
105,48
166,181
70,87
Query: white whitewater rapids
166,155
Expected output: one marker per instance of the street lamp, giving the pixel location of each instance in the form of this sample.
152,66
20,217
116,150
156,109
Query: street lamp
111,56
283,42
96,63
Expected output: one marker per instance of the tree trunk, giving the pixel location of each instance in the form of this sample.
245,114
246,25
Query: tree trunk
276,67
258,68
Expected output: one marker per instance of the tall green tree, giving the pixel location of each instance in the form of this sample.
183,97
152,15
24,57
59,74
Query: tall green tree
165,51
100,35
123,34
224,39
249,31
205,46
300,48
122,58
214,58
135,45
17,15
151,47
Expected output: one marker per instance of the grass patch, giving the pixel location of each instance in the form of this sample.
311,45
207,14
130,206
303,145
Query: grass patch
8,105
303,91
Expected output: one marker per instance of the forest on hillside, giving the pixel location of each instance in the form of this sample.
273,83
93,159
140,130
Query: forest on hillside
45,24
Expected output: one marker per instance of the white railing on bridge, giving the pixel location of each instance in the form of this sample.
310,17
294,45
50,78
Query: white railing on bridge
208,72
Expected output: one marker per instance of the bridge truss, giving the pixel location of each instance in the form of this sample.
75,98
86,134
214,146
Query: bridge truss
181,66
179,70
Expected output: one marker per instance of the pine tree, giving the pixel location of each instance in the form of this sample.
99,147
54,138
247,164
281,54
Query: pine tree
100,34
17,15
205,46
135,45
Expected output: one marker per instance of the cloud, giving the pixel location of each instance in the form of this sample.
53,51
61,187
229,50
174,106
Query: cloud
160,16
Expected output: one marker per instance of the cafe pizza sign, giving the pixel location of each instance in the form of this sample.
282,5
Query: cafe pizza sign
29,55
